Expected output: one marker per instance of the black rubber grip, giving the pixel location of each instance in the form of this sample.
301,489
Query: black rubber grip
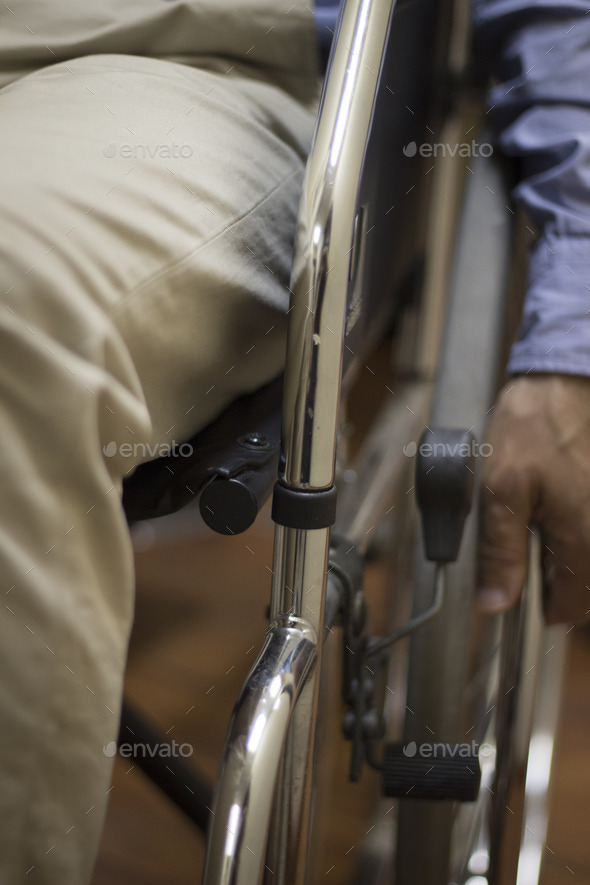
431,771
445,470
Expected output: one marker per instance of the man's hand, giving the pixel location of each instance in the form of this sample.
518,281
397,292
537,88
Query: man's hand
538,476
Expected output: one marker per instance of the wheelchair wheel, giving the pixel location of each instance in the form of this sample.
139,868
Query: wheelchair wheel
472,679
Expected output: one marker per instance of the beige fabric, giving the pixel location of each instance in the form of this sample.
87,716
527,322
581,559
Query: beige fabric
146,224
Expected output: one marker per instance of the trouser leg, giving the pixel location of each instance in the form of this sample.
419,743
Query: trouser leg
142,293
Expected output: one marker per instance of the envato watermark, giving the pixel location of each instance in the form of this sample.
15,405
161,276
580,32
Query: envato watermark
140,750
148,151
440,751
464,149
145,450
449,450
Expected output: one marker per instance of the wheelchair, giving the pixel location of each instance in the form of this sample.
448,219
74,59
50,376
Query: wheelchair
383,243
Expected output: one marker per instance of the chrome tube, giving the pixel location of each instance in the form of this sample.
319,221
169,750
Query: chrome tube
245,785
325,247
325,299
273,727
299,584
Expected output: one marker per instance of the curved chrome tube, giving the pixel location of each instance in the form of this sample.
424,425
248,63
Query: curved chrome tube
272,733
243,801
325,301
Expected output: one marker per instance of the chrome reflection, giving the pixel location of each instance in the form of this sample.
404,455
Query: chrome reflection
272,732
248,773
323,247
322,286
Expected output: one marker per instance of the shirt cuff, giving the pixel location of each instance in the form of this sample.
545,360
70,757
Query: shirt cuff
554,334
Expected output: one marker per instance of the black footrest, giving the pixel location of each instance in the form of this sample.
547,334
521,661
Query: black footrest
431,771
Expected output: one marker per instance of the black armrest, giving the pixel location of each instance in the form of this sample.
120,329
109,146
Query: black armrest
233,466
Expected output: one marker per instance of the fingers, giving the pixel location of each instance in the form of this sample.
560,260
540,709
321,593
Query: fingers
566,574
504,539
539,473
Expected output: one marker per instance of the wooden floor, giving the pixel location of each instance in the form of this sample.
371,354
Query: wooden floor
200,620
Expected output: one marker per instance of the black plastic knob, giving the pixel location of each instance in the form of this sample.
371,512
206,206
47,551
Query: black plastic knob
230,505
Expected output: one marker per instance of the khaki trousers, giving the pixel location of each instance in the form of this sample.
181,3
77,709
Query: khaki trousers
151,158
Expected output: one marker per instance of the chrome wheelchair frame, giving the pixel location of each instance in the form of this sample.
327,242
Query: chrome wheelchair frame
262,807
270,744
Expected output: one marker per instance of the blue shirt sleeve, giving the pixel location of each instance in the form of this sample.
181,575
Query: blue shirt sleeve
326,15
540,53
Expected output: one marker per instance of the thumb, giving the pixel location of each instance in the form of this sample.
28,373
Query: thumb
503,542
